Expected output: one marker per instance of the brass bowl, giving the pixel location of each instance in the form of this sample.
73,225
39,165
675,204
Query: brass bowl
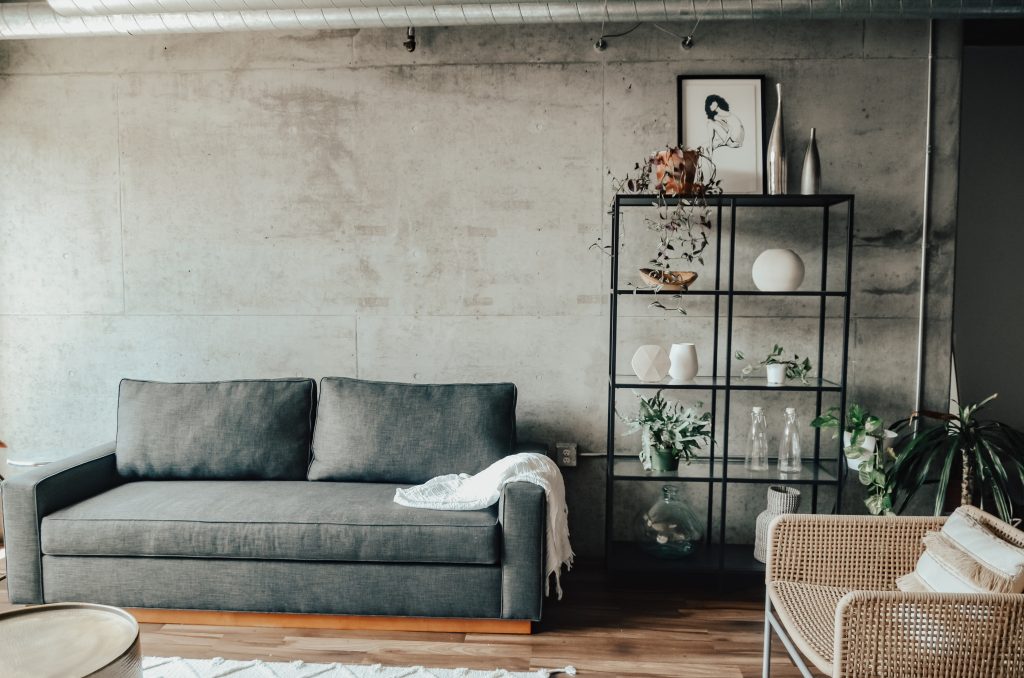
668,281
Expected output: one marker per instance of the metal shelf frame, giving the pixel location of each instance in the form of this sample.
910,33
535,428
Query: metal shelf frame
718,468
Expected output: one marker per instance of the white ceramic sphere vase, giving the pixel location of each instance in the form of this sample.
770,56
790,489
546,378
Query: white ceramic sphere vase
778,270
684,362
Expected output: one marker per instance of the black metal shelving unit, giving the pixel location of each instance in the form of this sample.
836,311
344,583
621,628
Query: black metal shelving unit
718,468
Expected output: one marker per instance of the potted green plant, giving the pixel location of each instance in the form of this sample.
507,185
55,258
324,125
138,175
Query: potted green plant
867,445
670,432
862,432
777,368
991,455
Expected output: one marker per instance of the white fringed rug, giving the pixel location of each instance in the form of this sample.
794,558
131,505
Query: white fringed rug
176,667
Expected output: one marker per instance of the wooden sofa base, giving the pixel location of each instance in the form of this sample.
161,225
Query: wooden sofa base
331,621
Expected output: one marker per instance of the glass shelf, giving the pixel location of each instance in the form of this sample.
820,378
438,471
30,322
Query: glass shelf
745,200
625,556
738,383
628,467
725,293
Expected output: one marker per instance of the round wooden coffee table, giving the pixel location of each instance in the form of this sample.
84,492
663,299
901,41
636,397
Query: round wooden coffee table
70,640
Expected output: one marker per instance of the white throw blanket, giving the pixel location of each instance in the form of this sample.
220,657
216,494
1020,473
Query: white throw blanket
461,492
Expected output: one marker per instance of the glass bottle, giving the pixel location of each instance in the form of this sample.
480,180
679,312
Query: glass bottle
671,529
756,458
789,445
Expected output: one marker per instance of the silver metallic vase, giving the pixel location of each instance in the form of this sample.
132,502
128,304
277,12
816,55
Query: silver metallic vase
777,151
810,178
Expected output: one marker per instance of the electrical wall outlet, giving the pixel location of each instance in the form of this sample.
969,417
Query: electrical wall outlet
565,454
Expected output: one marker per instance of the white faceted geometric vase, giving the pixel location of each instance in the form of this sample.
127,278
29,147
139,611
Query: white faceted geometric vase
650,362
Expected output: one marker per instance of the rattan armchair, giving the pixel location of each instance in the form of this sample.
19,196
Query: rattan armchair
832,598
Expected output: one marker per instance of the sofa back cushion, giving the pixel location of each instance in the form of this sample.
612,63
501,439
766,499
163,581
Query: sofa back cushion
225,430
374,431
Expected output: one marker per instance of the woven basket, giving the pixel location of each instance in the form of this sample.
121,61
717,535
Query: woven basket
781,500
668,281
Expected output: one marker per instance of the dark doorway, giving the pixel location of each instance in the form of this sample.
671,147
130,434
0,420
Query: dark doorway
988,327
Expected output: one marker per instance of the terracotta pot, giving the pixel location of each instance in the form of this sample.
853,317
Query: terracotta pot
675,171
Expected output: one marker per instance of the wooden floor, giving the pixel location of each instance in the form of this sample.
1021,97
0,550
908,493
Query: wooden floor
602,627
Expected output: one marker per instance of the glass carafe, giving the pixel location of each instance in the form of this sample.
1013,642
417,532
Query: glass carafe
756,458
671,529
789,445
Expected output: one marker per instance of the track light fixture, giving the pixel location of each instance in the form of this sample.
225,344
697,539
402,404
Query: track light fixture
685,41
410,39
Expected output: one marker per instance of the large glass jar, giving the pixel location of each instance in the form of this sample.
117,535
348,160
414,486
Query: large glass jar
670,528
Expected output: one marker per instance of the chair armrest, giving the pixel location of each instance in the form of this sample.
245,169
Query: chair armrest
30,496
852,552
522,512
892,633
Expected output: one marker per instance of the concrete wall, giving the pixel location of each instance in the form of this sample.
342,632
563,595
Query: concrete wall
226,206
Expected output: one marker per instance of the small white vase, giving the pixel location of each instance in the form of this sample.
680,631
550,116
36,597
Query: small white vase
778,270
868,446
776,374
684,362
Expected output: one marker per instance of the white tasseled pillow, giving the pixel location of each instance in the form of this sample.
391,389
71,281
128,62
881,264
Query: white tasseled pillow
966,557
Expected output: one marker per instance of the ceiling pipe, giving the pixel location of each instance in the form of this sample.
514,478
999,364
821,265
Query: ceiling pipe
21,20
110,7
712,9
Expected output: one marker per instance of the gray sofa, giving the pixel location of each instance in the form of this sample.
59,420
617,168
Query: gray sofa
256,496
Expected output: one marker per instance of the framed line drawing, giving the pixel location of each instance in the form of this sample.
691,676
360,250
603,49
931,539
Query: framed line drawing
724,115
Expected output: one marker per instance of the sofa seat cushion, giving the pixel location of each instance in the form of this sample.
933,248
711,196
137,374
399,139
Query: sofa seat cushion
269,520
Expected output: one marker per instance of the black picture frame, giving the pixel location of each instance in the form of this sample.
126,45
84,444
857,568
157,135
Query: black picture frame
761,163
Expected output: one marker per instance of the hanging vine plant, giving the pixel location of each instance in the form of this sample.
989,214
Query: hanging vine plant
678,180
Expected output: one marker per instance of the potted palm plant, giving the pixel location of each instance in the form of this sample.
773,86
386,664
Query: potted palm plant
991,456
670,432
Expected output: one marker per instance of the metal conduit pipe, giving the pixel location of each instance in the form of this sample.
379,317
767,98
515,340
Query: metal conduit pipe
20,20
38,20
926,218
109,7
715,9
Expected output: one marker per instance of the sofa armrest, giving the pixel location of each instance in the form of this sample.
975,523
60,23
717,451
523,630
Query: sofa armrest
30,496
522,514
851,552
929,634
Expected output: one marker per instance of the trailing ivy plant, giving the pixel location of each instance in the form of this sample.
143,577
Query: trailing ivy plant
796,368
683,228
875,470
